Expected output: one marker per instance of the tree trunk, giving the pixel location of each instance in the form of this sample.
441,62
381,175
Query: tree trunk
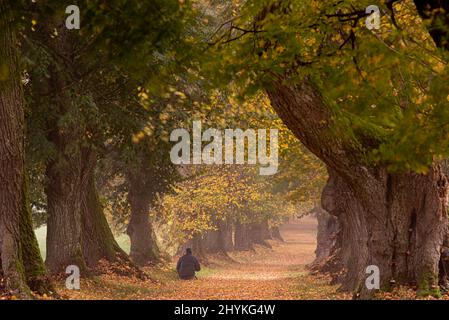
21,265
77,230
63,189
276,234
242,240
211,242
225,229
34,266
259,232
144,248
220,240
328,228
349,250
98,242
395,221
64,185
197,246
328,254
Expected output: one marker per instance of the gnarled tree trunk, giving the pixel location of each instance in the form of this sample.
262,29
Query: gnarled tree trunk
349,250
407,224
327,233
394,221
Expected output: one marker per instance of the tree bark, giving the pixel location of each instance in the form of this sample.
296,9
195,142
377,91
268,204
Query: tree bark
395,221
64,188
275,233
63,191
259,232
220,240
141,193
349,250
64,184
77,230
242,240
225,229
98,242
11,155
34,266
20,261
328,228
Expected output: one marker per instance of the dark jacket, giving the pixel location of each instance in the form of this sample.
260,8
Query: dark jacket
186,266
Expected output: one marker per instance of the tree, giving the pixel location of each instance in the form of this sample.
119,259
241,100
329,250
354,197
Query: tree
20,260
145,180
380,135
208,205
81,75
434,12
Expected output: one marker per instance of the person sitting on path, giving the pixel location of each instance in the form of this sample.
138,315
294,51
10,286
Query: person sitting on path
187,266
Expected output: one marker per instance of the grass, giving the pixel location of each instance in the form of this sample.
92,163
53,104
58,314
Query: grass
41,235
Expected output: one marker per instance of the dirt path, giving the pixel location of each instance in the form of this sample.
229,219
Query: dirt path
277,273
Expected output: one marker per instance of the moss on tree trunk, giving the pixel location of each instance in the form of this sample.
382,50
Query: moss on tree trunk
98,241
34,267
21,263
